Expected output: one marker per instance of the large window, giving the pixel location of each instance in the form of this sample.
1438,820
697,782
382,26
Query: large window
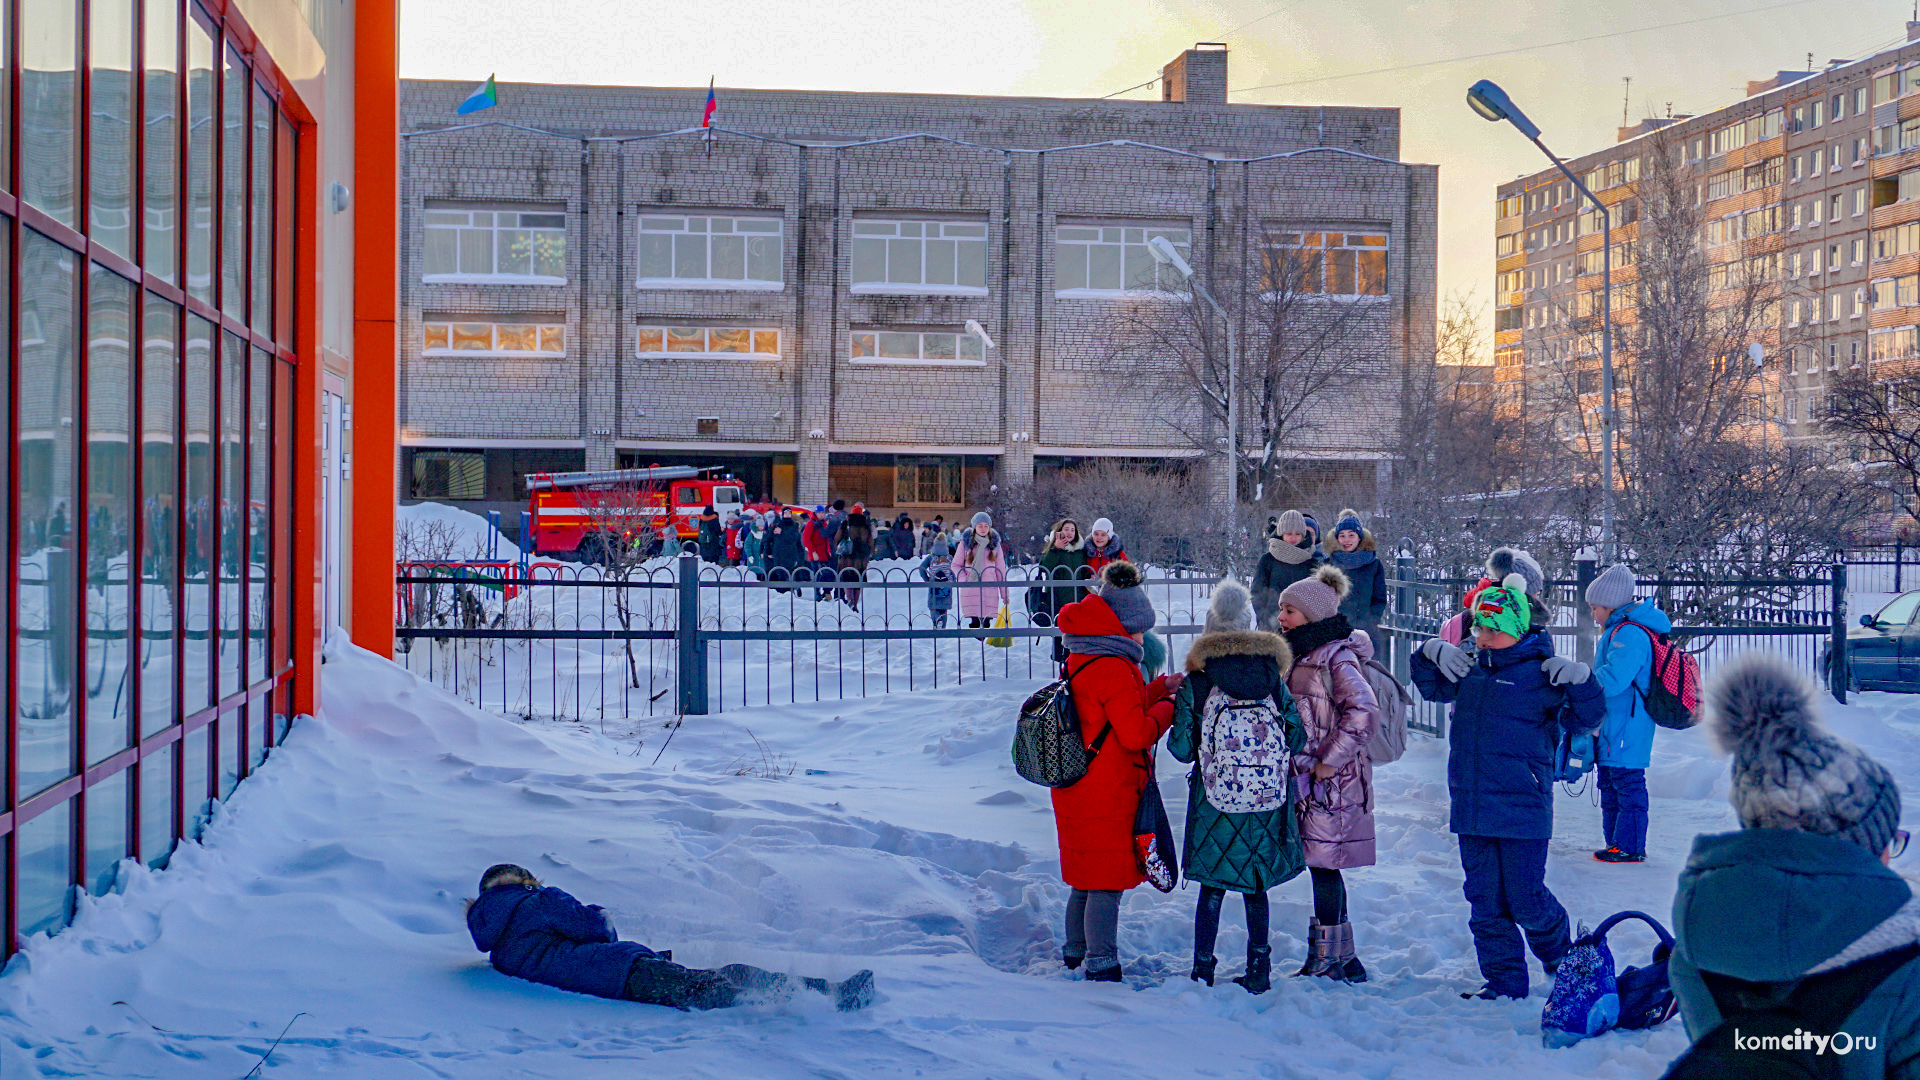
449,474
930,348
1106,260
462,338
926,481
708,342
710,252
516,245
940,257
145,433
1329,263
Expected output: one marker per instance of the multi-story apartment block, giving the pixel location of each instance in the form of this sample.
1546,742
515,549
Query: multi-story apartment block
896,298
1809,187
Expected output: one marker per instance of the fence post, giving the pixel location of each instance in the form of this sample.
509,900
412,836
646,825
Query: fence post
1837,652
686,630
1404,613
1897,551
1584,565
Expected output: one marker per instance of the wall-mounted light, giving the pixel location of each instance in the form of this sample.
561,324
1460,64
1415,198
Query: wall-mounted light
816,433
341,197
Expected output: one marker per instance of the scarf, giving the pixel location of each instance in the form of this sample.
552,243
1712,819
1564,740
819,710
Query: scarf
1351,560
1290,554
1315,634
1105,645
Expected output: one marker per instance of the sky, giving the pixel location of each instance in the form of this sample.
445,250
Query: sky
1321,52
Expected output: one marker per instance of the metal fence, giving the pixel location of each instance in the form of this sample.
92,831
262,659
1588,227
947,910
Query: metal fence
675,636
1890,568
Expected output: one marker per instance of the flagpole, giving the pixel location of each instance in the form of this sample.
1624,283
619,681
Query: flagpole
706,117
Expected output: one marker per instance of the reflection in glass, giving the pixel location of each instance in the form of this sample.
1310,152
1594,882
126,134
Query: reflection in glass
230,724
44,848
195,800
229,594
156,805
159,515
109,701
110,158
200,84
49,106
196,606
107,821
161,185
259,511
233,189
261,263
45,661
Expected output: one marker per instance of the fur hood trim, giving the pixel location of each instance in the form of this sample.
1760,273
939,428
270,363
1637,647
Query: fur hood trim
1238,643
1079,535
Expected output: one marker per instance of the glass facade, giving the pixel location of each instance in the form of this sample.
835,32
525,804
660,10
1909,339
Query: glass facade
146,253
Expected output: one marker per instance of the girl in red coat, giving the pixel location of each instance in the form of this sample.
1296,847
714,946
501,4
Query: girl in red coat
1122,717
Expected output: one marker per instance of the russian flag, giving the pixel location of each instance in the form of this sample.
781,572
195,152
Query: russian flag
484,98
706,115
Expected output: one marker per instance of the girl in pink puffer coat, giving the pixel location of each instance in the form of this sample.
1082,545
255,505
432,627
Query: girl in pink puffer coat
1333,774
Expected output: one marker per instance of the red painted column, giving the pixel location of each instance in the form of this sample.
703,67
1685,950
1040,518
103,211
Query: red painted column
376,301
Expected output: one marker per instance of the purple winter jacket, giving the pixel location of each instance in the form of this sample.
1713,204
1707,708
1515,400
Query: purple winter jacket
1336,814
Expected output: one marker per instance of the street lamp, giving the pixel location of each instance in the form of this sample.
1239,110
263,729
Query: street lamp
1492,103
1164,254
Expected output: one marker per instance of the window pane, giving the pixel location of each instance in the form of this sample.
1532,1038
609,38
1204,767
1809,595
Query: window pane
900,346
940,261
690,257
259,509
1103,266
196,606
553,339
109,707
869,260
651,340
863,345
903,262
110,172
728,340
766,342
473,337
476,251
45,661
763,256
443,251
261,266
515,337
283,205
256,733
1140,267
194,797
162,155
45,854
938,346
200,85
550,253
229,736
686,339
233,190
159,460
233,504
49,106
1071,269
972,268
1373,273
513,252
656,255
730,257
435,336
107,821
156,806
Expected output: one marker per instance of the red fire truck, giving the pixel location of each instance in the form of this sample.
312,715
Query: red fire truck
583,515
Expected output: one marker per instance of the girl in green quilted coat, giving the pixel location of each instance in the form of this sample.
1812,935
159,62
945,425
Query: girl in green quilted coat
1244,853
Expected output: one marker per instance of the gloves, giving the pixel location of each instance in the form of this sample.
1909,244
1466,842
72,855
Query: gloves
1174,680
1452,661
1564,672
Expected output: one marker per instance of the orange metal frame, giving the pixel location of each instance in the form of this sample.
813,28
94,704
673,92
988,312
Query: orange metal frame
376,302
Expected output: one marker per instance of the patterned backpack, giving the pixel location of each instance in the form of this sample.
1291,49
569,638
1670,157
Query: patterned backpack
1243,754
1672,697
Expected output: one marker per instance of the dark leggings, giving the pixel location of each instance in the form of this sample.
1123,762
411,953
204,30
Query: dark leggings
1206,919
663,982
1329,896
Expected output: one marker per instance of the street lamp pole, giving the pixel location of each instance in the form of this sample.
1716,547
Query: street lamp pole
1164,253
1492,103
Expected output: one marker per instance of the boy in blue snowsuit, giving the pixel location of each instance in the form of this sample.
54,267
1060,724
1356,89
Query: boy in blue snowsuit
544,935
938,567
1623,666
1510,700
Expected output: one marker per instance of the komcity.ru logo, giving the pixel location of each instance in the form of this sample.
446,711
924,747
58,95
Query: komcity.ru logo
1840,1042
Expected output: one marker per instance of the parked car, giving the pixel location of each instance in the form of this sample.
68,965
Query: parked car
1883,652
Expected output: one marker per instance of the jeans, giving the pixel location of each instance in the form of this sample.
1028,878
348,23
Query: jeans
663,982
1507,893
1206,920
1093,927
1329,896
1623,808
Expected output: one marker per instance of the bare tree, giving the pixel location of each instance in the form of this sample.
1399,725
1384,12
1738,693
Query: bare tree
621,520
1880,420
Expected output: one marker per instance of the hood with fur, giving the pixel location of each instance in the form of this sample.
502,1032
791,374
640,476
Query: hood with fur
1079,535
1225,643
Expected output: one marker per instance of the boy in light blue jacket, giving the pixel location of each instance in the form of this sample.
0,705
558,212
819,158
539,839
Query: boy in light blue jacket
1623,666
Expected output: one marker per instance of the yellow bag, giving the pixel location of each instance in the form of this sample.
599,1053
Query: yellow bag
1000,620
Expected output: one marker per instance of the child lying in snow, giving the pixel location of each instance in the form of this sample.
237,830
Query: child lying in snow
544,935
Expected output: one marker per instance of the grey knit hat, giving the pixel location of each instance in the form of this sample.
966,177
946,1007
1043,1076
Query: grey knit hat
1506,560
983,518
1231,609
1318,597
1293,521
1612,589
1120,588
1789,771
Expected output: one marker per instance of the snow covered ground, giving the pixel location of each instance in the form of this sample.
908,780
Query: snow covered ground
889,833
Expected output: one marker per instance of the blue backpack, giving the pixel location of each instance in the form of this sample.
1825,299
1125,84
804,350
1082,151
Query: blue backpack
1588,998
1574,756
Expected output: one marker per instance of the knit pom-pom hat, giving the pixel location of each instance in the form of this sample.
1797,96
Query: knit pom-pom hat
1231,609
1120,588
1318,597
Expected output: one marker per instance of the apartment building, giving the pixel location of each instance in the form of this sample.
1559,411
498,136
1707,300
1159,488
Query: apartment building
1809,186
895,298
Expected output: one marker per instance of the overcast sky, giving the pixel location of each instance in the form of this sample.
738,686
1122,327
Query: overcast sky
1081,48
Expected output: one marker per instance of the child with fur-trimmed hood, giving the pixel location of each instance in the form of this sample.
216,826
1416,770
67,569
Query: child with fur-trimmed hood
1251,852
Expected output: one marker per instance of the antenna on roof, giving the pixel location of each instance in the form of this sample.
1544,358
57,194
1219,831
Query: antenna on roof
1809,61
1626,96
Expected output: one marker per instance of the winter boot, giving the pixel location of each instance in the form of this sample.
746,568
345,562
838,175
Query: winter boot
1258,979
1343,964
1112,974
1203,969
1071,960
1319,950
853,994
1615,855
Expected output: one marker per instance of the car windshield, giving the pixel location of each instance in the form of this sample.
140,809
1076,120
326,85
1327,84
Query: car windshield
1900,611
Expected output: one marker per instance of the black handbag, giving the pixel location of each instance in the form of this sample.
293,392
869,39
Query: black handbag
1153,849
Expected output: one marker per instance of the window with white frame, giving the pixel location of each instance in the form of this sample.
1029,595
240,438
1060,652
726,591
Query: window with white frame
923,348
707,342
518,245
1101,259
1329,263
466,337
924,257
710,251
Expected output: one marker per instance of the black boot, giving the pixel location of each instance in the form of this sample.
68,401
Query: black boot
1070,960
1112,974
1203,969
1258,979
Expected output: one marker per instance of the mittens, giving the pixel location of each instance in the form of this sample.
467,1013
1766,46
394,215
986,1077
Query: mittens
1564,672
1452,661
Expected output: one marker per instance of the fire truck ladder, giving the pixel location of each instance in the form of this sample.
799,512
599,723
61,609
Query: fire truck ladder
551,481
